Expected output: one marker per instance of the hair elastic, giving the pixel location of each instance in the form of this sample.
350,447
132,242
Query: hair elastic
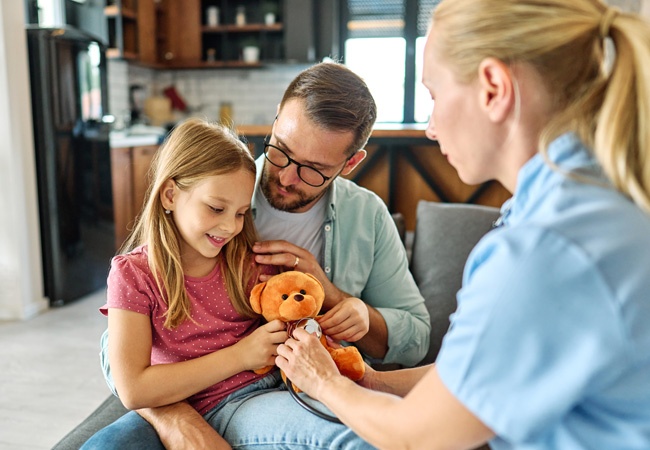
606,21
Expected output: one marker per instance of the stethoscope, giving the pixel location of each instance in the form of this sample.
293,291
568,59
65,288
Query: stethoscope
311,326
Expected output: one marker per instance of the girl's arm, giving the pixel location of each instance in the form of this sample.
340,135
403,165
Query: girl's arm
142,385
429,416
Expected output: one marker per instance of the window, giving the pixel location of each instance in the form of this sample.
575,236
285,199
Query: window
379,34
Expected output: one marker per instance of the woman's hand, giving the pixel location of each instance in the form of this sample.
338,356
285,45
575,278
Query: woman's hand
259,348
306,362
347,321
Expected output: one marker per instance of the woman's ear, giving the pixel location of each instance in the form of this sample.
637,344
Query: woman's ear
168,194
354,161
497,89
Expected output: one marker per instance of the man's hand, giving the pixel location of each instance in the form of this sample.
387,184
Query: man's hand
181,427
285,254
348,321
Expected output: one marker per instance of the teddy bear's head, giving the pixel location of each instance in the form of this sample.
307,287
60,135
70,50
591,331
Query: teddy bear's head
288,296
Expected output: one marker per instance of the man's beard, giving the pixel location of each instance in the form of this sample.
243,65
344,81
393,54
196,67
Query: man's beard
280,203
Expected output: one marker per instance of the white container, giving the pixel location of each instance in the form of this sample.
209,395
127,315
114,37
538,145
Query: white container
251,54
212,18
269,18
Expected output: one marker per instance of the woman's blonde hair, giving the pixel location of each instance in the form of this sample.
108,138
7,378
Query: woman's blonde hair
564,41
194,150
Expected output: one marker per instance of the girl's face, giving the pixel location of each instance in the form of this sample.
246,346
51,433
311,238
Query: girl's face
208,216
457,121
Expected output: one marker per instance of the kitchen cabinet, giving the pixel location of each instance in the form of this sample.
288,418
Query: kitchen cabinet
175,34
228,27
169,33
312,30
122,18
130,178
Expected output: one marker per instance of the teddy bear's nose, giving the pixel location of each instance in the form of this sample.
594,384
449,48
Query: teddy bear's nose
298,297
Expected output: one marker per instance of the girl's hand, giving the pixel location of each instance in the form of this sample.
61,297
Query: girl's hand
306,362
347,321
259,348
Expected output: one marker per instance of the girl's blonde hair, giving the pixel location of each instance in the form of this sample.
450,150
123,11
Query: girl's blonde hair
193,151
564,41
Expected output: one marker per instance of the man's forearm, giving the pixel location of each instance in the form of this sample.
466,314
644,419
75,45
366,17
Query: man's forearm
375,343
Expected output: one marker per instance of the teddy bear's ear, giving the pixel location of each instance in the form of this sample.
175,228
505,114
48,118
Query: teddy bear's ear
256,295
315,279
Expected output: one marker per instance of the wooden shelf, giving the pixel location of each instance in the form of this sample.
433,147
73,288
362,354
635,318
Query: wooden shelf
115,53
115,11
250,28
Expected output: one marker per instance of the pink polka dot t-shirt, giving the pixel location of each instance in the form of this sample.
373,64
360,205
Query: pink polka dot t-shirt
131,286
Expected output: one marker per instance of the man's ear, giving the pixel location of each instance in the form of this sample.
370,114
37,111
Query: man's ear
496,89
168,194
354,161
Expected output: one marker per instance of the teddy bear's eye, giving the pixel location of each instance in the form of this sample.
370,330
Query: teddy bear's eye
303,292
285,296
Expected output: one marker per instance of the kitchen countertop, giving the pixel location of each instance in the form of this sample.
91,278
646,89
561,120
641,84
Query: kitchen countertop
380,130
136,136
141,135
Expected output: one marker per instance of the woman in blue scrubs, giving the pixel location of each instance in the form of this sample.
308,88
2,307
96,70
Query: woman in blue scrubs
550,345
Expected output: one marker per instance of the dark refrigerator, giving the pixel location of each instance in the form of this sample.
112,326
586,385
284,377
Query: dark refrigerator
69,101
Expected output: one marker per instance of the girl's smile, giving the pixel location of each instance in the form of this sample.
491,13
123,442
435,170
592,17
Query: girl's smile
208,216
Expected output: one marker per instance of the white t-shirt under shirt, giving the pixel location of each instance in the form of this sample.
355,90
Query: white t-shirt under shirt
301,229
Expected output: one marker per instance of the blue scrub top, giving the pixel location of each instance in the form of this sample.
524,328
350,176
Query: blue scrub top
550,344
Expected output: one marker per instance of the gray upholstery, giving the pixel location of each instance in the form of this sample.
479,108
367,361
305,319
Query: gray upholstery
106,413
445,233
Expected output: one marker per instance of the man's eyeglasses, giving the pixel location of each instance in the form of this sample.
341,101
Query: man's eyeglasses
279,158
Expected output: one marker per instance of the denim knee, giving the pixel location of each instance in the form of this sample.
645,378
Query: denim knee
129,432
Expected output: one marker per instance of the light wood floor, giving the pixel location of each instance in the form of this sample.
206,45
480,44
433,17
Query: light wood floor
50,378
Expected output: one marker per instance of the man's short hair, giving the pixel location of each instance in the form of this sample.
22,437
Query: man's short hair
336,99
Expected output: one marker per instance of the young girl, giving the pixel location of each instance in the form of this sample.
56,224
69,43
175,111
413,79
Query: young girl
180,324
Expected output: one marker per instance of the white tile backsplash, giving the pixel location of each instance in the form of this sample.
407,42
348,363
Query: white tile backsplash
253,93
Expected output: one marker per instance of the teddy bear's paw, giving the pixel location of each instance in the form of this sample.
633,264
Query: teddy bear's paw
295,388
349,362
263,370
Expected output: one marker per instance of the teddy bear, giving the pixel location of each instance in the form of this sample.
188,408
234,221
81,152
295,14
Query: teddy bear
292,296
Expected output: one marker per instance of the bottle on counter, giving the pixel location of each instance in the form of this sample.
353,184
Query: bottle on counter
225,113
240,17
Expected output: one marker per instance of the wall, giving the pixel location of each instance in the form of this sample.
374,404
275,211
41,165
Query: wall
254,94
20,260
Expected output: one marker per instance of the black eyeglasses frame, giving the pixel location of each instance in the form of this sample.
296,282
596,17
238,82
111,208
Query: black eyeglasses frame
298,165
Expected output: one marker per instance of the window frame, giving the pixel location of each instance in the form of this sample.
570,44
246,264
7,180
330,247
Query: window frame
410,35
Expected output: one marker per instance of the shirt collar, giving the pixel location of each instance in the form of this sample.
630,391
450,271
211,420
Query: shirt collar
566,152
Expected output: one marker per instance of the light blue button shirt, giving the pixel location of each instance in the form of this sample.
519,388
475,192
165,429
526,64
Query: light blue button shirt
550,345
364,256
